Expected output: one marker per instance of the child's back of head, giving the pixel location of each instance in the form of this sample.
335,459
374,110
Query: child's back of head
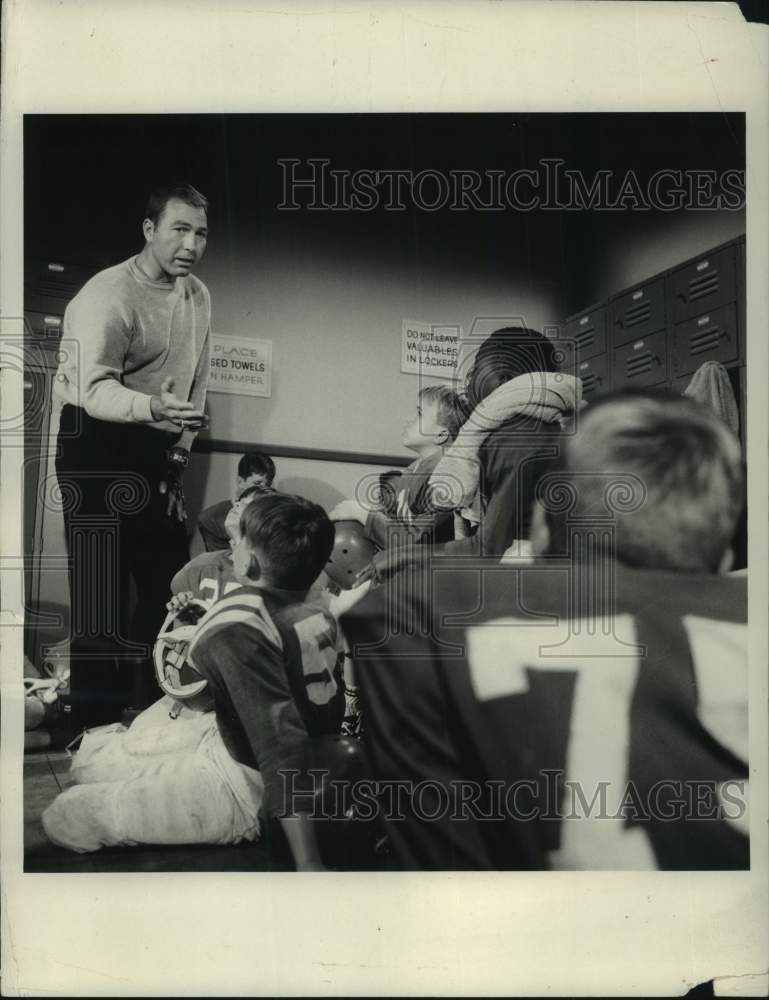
290,537
664,471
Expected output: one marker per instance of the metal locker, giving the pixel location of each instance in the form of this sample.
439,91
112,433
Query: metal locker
638,313
712,337
594,373
741,301
44,325
642,362
588,332
564,355
49,285
704,284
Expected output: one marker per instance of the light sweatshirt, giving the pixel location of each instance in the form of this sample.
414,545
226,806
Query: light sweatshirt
127,334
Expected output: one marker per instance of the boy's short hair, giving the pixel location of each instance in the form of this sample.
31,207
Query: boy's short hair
505,354
451,409
254,463
667,472
160,197
292,536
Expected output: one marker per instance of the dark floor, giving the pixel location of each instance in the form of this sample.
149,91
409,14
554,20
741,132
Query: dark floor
46,773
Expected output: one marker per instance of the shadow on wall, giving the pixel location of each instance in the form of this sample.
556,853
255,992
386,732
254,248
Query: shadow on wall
312,489
197,477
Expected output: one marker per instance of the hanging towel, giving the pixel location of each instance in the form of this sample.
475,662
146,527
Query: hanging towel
710,385
545,396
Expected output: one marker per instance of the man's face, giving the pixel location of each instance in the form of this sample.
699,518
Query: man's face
178,240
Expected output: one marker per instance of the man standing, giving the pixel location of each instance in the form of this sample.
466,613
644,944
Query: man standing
132,378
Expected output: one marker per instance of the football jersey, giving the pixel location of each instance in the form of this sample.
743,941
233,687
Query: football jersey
274,665
208,576
538,716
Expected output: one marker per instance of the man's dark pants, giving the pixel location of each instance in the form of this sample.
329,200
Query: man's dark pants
116,527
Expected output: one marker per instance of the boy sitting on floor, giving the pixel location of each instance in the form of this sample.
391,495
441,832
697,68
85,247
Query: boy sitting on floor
436,422
170,779
272,658
587,711
254,469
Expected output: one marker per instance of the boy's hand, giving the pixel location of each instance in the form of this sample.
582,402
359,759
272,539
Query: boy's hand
349,510
179,601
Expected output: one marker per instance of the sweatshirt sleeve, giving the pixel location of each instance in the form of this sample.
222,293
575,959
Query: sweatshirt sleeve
101,330
199,385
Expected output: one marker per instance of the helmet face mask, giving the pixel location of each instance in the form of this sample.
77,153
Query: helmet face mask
175,673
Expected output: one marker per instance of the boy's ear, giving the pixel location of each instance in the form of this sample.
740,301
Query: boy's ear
539,532
254,568
148,228
442,436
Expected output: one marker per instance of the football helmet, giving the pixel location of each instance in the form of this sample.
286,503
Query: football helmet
175,674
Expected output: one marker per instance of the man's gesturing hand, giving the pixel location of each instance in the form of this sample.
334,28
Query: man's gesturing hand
166,406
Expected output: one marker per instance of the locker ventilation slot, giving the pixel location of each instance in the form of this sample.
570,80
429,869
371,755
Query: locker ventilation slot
638,314
701,286
585,338
64,288
639,364
704,340
590,382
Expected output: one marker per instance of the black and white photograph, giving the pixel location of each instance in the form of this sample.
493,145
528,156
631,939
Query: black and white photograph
480,381
385,500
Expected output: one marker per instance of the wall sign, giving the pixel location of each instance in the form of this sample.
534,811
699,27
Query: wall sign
241,365
429,349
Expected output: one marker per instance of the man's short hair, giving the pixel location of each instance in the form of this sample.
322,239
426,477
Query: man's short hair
254,463
292,536
451,409
505,354
665,469
160,197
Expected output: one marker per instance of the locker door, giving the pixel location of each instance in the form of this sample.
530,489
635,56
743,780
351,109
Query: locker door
644,362
46,584
704,285
638,313
712,337
588,331
594,373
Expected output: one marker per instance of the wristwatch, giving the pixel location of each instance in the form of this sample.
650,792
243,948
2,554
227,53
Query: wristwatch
180,456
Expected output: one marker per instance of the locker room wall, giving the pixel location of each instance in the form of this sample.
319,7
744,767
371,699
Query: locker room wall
335,324
659,241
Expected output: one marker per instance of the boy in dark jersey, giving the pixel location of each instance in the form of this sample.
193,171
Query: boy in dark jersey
254,469
273,658
590,710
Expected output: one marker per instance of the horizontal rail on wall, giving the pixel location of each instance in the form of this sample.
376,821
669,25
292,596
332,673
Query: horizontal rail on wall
208,445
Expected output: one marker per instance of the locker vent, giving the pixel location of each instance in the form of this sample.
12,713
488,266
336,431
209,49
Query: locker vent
585,338
637,314
639,364
706,339
58,286
590,382
702,285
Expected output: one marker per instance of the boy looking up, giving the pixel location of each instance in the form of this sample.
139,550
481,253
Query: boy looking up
436,422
